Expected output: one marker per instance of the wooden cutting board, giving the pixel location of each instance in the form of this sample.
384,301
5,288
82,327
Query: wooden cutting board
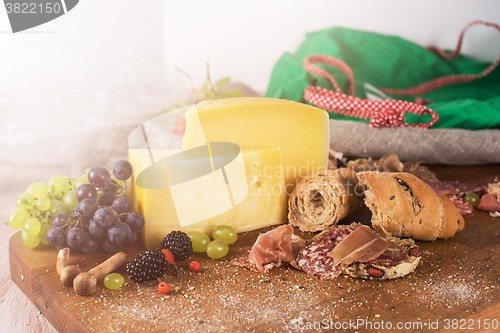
456,286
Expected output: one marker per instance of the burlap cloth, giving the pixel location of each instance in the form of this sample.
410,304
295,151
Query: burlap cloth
433,146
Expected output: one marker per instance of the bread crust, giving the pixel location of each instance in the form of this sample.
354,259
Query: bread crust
323,198
405,206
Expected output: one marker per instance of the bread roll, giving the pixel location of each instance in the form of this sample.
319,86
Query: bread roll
323,198
405,206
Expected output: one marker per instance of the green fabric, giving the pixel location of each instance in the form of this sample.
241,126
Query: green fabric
392,62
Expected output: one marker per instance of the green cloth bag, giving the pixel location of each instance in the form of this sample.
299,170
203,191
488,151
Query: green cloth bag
380,61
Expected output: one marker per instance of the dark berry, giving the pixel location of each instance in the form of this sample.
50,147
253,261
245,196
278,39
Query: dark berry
179,244
146,266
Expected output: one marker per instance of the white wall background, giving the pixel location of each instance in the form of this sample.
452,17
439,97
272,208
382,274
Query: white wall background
109,62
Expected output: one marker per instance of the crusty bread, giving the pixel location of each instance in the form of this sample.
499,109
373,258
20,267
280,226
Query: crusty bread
323,198
405,206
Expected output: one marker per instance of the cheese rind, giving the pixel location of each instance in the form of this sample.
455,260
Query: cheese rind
264,202
300,131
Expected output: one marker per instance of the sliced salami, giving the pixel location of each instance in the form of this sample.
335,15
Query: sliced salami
463,206
314,259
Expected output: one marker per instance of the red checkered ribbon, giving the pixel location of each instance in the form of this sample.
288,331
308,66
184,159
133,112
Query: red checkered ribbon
386,113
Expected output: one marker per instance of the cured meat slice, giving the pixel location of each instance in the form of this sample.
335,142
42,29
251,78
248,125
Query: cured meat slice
241,259
463,206
390,260
271,249
314,258
455,188
363,244
489,203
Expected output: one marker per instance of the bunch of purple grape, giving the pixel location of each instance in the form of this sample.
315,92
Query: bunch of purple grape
103,218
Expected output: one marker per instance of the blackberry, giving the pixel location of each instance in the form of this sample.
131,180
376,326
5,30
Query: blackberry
146,266
179,244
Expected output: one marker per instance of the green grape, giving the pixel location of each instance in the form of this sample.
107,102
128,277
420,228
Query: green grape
34,212
82,179
473,199
199,240
68,183
57,207
113,281
43,204
43,233
225,233
69,199
32,227
37,190
57,185
29,241
217,249
18,218
25,201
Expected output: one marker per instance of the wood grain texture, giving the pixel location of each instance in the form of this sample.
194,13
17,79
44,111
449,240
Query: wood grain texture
457,278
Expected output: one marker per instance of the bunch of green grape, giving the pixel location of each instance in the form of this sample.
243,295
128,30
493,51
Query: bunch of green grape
223,235
41,203
37,207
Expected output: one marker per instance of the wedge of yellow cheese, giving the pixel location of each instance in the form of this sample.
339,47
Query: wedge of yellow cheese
298,130
246,199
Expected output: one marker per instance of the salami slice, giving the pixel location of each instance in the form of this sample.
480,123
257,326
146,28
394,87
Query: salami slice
314,259
463,206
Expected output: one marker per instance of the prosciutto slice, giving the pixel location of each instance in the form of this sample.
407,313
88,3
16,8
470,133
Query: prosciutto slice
489,203
363,244
271,249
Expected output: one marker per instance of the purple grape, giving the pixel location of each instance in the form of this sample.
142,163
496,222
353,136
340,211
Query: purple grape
104,217
75,237
90,245
56,236
86,191
96,231
99,177
135,221
122,170
119,233
106,199
111,187
61,221
87,208
122,204
75,213
85,225
132,240
108,246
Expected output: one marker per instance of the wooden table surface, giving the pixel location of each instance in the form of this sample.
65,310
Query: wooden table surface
457,279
